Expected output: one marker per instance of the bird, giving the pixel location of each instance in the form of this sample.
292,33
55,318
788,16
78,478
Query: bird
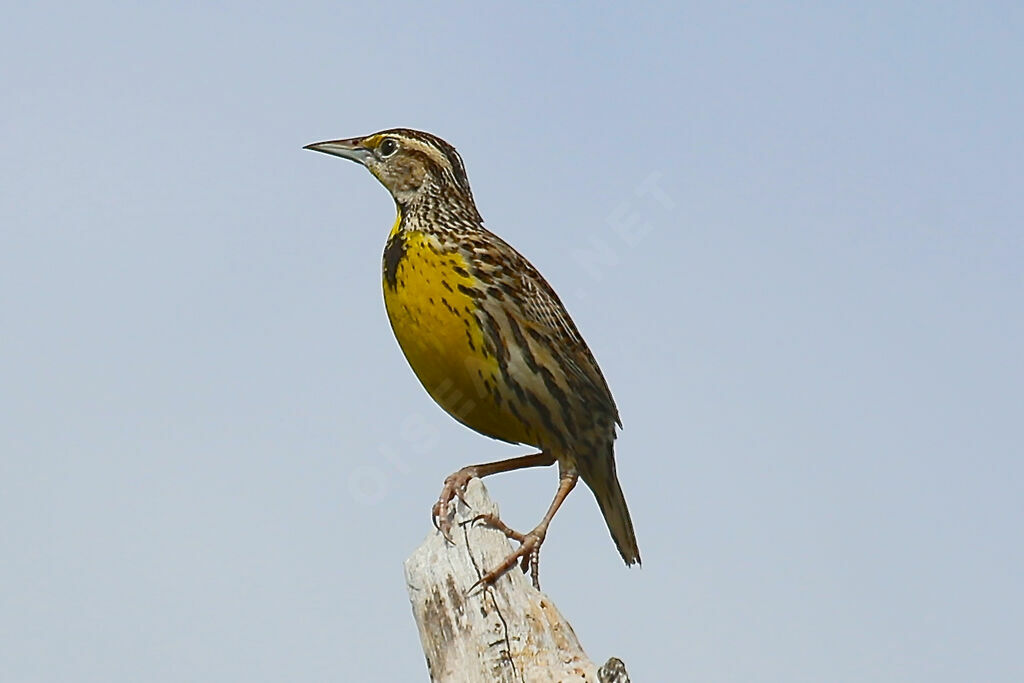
489,339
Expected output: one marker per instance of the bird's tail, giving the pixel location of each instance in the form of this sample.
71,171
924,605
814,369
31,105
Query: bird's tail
599,474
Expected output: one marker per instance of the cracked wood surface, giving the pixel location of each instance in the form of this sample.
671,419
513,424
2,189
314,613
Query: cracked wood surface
508,632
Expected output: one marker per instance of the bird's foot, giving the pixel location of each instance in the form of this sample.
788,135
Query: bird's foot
527,555
454,487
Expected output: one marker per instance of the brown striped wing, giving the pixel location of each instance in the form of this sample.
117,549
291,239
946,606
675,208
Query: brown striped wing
531,302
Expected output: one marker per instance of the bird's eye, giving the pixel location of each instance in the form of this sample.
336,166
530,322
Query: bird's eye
387,148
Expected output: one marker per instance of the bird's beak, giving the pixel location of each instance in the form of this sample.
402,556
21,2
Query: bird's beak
346,149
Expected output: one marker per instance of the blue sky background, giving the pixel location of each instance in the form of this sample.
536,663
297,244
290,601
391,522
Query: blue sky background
213,458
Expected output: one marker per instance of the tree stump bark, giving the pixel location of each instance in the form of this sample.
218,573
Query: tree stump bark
509,632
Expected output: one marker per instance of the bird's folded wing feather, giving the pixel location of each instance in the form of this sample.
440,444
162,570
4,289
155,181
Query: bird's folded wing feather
535,305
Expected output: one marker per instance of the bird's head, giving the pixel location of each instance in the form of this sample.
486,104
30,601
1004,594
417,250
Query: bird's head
411,164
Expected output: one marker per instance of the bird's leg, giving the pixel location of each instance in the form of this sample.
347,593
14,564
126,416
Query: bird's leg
455,484
528,552
529,562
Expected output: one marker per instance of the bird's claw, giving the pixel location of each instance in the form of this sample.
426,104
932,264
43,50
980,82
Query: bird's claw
454,487
527,555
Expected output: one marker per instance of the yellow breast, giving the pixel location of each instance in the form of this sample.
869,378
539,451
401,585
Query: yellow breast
435,325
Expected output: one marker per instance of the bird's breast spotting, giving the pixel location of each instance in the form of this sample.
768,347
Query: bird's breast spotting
427,297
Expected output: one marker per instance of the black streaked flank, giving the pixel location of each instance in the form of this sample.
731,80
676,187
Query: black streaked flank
471,292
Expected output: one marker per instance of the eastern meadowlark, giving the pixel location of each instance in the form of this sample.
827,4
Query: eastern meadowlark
488,337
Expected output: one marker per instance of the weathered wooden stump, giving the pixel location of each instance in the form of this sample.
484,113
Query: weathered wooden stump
507,632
